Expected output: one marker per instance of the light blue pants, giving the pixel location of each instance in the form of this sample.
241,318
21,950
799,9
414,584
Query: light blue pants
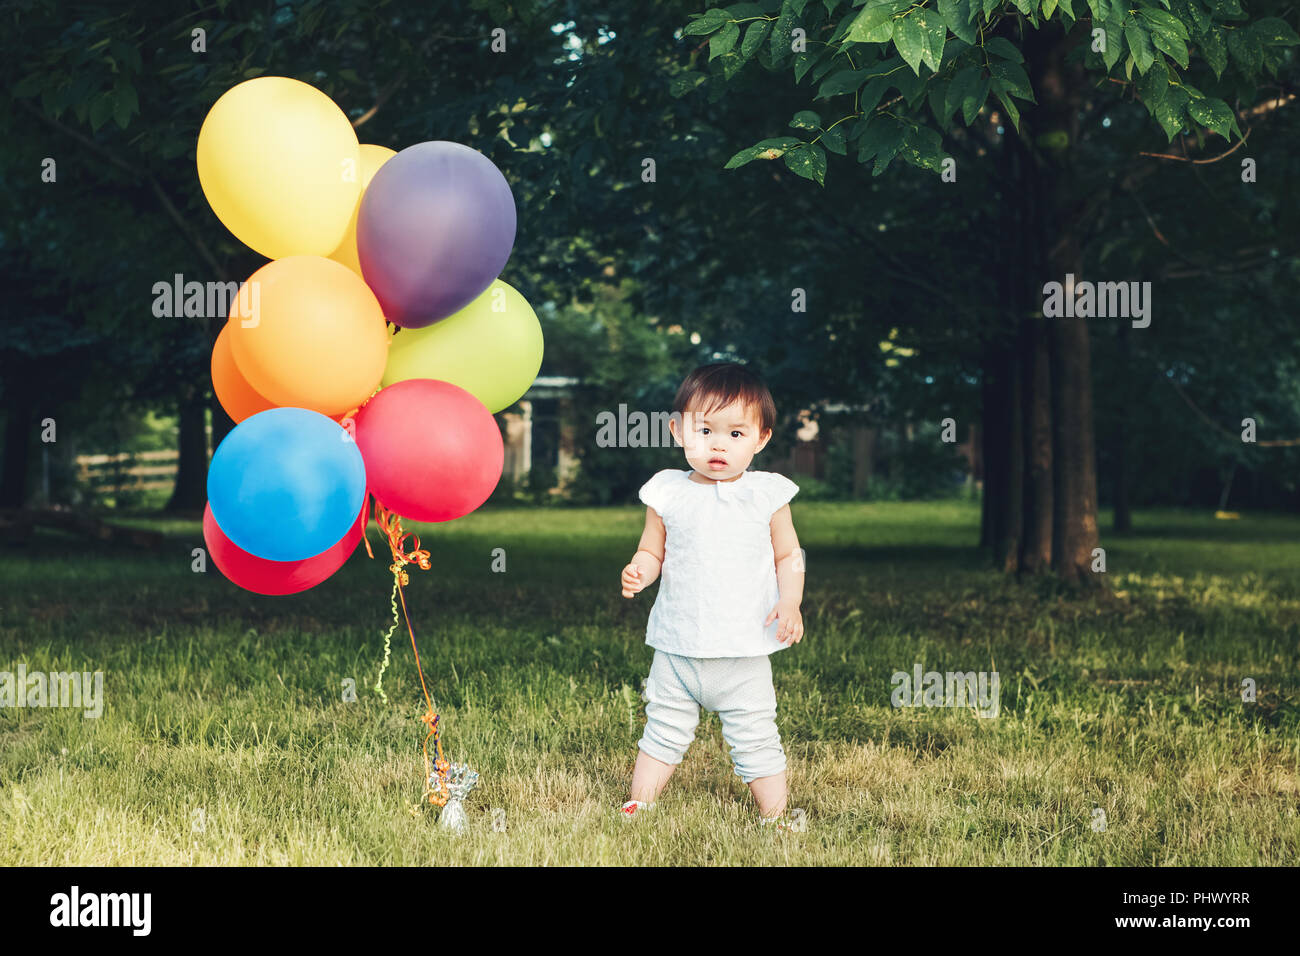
738,689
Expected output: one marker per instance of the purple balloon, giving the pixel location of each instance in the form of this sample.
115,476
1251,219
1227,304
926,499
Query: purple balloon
436,226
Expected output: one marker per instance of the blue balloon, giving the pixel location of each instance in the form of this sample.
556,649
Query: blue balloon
286,484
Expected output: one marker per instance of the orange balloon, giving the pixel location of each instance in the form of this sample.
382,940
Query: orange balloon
234,393
313,337
236,396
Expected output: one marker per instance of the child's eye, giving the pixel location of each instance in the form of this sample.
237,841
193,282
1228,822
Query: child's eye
737,434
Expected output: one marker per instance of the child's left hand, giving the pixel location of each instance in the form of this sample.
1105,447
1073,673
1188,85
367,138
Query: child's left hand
791,630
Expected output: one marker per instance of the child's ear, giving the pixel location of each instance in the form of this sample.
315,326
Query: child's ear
762,442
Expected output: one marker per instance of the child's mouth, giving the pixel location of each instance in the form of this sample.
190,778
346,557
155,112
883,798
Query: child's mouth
717,463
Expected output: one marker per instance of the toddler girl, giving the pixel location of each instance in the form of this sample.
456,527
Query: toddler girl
732,581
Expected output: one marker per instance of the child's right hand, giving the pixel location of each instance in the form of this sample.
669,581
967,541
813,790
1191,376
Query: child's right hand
632,580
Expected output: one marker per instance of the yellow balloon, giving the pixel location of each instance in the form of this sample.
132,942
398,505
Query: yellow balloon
372,157
492,348
280,166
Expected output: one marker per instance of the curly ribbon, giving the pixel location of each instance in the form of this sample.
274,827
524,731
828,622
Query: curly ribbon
435,770
388,641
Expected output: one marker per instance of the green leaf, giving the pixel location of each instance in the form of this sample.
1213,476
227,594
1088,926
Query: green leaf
881,139
100,108
683,83
754,37
1013,78
1160,21
1275,32
844,81
125,103
833,139
873,25
1139,42
910,40
910,84
767,149
1215,50
937,96
957,15
872,94
806,119
1212,114
1001,46
722,41
1168,34
803,63
824,67
1247,52
743,157
709,21
1153,85
1172,111
1049,7
1114,42
989,6
1005,99
922,147
779,39
1191,13
809,162
936,33
967,92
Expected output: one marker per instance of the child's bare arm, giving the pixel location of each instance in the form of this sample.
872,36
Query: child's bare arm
789,577
643,570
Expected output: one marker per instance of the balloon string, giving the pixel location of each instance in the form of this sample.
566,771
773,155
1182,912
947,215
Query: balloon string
391,525
388,638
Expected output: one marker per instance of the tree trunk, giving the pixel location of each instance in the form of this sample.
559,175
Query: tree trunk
1123,521
17,446
1003,457
1053,125
191,491
1036,552
1040,502
864,447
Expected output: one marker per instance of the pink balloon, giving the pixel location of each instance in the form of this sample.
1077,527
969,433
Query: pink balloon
433,452
262,576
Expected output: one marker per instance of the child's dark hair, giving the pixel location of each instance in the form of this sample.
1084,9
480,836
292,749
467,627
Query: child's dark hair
715,386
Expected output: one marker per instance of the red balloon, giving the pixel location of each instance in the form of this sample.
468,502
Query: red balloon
262,576
433,451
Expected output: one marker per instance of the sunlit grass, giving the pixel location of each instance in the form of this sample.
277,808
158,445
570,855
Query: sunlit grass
225,738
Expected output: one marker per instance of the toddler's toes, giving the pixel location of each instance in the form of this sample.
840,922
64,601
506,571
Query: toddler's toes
634,808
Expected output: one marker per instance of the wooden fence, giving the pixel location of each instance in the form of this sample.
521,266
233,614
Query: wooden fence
128,471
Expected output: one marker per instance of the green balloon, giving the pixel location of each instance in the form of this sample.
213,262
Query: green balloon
492,348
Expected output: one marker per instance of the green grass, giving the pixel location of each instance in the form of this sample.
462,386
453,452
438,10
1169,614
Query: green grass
225,709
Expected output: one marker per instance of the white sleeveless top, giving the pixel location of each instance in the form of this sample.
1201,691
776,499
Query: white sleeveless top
718,581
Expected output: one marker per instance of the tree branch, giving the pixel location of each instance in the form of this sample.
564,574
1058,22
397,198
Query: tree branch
1279,443
136,174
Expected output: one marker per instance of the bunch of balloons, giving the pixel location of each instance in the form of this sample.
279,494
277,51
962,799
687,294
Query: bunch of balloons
333,404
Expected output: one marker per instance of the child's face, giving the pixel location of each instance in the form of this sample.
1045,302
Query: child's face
720,444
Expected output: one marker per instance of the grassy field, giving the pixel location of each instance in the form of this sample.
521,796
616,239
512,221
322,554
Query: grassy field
225,739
